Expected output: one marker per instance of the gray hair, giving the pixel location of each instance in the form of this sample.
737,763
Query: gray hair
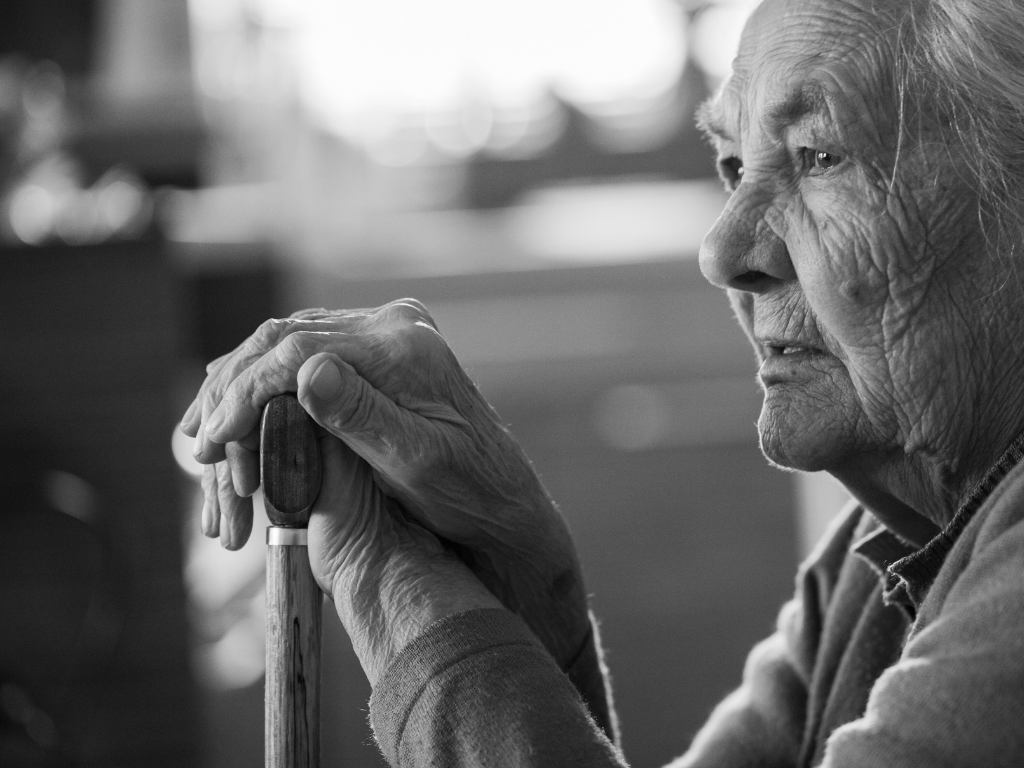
966,65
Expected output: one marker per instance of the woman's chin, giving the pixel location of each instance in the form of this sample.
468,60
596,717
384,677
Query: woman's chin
808,440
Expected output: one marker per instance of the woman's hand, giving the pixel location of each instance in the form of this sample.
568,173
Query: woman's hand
390,578
385,383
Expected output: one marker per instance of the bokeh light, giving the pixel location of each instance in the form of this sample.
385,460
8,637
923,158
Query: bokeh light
715,36
460,69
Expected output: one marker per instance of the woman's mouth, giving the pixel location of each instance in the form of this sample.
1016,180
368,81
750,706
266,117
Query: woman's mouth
784,361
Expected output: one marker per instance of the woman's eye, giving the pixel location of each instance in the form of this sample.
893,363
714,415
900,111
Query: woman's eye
731,169
823,161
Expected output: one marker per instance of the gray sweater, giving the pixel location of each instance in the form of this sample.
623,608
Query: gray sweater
887,656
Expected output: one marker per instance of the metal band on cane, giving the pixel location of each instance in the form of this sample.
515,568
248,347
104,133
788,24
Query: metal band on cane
286,537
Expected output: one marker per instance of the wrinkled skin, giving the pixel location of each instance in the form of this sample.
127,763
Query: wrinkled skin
889,334
887,330
388,576
442,511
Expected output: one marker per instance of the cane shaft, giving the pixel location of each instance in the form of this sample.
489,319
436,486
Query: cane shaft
292,712
290,471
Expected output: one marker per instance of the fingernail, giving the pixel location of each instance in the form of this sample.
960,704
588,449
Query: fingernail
236,483
205,525
197,448
189,413
326,381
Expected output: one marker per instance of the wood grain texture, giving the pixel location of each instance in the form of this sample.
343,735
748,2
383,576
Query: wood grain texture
290,472
294,618
289,462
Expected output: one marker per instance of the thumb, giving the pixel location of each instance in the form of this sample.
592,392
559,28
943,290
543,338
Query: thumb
347,406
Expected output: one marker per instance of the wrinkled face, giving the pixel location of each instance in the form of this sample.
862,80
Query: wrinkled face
852,258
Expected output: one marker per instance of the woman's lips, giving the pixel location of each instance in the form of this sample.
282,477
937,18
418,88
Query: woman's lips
787,362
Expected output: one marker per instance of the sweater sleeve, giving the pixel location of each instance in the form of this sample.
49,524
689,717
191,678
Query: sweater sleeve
956,697
478,688
761,724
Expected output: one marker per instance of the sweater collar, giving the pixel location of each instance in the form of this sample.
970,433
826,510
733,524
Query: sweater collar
907,572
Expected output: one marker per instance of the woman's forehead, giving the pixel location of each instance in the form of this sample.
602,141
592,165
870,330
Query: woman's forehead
805,57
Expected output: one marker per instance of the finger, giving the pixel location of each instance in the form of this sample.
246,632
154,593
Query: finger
194,415
218,362
242,403
374,426
270,334
236,511
190,421
244,464
266,364
206,451
223,371
211,508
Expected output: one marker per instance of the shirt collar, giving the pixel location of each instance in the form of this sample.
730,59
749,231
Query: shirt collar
907,572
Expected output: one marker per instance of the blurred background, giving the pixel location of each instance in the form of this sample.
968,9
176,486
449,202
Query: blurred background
173,172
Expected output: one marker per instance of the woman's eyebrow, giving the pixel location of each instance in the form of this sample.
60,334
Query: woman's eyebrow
810,99
807,100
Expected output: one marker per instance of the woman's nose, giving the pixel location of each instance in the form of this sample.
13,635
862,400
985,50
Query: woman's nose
742,252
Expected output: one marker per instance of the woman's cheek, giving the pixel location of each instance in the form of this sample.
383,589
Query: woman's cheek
843,285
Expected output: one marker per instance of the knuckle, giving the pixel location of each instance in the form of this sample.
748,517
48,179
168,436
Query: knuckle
280,366
270,331
215,365
408,311
223,477
263,333
421,343
425,316
214,394
410,304
209,478
296,347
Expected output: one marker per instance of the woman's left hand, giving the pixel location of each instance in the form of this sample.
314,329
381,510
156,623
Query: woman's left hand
385,382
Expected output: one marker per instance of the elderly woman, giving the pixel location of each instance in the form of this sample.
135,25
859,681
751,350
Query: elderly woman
875,157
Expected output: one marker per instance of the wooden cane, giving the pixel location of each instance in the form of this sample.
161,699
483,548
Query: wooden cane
290,473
